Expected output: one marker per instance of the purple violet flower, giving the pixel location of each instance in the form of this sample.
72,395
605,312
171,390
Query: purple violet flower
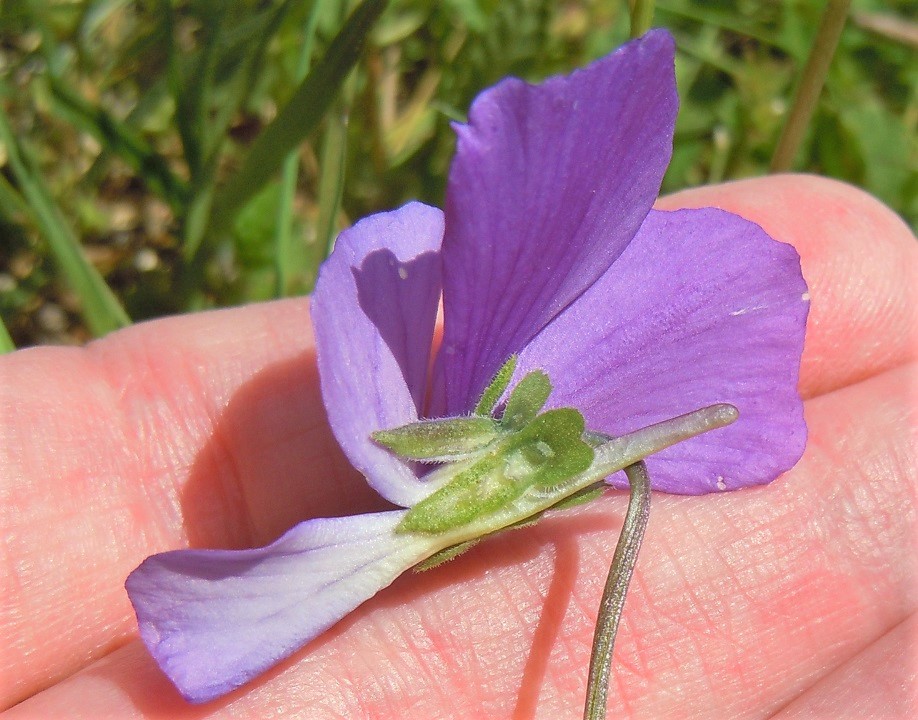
549,252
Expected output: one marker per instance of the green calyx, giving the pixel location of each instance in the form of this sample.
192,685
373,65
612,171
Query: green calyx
496,459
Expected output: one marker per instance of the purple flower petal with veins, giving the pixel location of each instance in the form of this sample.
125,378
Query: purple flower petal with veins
548,186
701,307
548,249
373,310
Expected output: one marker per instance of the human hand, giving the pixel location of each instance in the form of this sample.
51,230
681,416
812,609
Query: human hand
790,600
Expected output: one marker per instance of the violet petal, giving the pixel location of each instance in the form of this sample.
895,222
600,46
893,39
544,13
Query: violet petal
702,307
548,185
214,619
373,310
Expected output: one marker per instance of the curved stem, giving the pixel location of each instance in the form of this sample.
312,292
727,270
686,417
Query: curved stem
613,596
811,82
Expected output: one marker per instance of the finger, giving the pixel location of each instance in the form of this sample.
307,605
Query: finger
739,604
859,259
880,682
205,430
209,430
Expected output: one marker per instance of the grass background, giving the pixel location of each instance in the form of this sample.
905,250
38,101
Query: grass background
160,157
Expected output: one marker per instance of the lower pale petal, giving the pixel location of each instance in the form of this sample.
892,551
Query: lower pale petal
374,310
214,619
703,307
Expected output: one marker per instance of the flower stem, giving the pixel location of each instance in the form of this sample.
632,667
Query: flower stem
613,596
641,17
811,82
6,342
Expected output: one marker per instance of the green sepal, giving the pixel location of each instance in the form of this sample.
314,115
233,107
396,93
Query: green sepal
525,522
445,555
582,497
454,551
496,387
478,490
439,440
546,453
527,399
552,442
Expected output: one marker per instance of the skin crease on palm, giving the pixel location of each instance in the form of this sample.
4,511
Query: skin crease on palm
793,600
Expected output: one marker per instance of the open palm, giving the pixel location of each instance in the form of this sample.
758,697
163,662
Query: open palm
790,600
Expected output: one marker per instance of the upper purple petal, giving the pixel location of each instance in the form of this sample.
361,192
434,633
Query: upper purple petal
548,185
702,307
374,309
214,619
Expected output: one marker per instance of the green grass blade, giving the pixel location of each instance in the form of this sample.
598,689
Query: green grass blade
174,75
198,211
641,17
6,342
290,174
331,178
283,230
811,83
298,118
101,309
245,54
729,19
11,202
197,86
120,139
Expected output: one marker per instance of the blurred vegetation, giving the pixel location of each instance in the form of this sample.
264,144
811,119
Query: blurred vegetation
163,156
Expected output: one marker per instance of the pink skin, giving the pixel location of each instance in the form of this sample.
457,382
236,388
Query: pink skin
791,600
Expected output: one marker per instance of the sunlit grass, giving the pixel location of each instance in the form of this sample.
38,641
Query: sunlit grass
189,160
